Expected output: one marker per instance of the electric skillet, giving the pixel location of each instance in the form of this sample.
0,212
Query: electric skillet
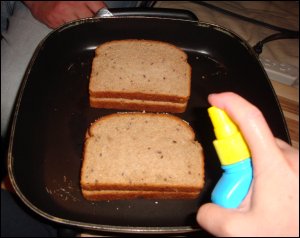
52,115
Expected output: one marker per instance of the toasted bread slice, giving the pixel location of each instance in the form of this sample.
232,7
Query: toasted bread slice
140,69
142,152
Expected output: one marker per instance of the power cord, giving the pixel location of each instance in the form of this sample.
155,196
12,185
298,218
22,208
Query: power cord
284,33
277,36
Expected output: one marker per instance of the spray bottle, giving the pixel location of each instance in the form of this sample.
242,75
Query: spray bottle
235,160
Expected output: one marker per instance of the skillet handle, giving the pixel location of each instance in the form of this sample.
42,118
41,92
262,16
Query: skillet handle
148,12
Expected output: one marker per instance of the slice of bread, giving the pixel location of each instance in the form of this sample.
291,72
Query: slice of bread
137,105
140,69
142,152
126,194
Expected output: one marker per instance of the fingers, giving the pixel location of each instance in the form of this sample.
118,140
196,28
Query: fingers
83,12
84,9
269,157
61,12
95,6
291,154
253,127
283,145
217,220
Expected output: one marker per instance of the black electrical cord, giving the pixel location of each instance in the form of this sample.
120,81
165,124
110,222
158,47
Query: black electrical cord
283,32
244,18
277,36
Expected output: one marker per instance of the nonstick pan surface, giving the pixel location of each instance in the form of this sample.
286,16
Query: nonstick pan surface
53,114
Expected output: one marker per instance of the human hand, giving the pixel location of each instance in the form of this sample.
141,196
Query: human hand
55,13
271,208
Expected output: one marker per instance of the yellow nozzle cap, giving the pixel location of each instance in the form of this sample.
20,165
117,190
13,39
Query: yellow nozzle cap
223,125
230,145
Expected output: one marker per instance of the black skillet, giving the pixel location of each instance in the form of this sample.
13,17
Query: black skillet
53,113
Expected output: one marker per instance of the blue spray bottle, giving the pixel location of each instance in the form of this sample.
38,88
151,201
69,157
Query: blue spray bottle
235,160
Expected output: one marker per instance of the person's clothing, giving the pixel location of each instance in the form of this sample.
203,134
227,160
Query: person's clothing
17,46
7,8
18,221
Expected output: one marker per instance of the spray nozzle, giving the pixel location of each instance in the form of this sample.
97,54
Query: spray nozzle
230,145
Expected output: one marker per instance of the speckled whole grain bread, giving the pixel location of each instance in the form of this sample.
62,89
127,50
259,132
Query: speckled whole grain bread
140,69
138,105
141,155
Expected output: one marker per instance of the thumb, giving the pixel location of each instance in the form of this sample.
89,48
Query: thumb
253,126
217,220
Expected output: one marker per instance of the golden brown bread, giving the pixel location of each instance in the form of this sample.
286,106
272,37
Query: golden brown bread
140,70
154,155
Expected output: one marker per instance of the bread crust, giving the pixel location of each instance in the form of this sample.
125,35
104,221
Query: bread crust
117,195
148,187
149,106
99,48
139,96
140,114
